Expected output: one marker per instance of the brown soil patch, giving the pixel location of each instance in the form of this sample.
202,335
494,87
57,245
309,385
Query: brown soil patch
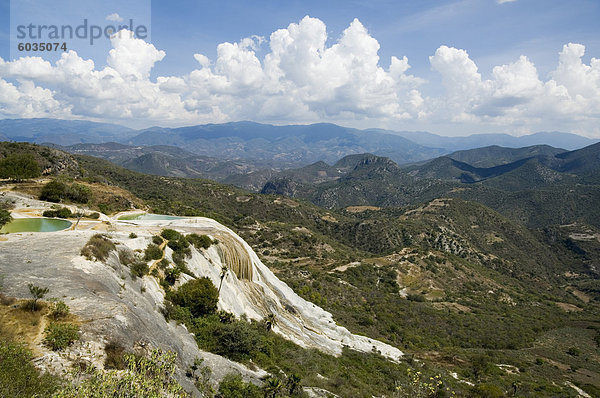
360,209
451,306
569,307
581,295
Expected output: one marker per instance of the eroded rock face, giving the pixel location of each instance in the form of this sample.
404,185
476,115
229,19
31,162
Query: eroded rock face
113,307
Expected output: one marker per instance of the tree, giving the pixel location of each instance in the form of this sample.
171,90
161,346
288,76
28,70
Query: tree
224,272
54,191
5,217
38,293
270,321
272,387
199,295
19,167
293,383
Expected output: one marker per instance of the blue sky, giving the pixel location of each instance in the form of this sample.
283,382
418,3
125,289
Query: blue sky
451,87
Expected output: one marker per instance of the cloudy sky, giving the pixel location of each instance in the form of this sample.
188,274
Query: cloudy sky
449,67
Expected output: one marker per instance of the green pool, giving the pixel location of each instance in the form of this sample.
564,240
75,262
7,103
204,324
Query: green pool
148,216
35,225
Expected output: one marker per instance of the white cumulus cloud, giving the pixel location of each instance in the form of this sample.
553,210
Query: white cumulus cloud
303,78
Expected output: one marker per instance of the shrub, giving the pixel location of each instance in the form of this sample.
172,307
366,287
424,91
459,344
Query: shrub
5,217
126,257
114,356
151,377
139,269
574,351
199,295
237,341
19,377
59,310
200,241
94,216
57,191
416,297
132,235
63,212
180,245
170,234
19,167
171,275
79,193
152,252
233,386
179,260
54,191
487,391
163,264
157,240
58,336
98,247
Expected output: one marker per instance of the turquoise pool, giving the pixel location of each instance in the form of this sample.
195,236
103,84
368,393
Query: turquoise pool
35,225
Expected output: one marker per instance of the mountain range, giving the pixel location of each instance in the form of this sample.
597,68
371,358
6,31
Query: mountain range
274,146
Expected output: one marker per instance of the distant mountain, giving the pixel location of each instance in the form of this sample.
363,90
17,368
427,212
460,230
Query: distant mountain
552,188
291,146
164,160
62,132
495,155
554,139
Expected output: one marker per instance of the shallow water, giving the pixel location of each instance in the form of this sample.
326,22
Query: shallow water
35,225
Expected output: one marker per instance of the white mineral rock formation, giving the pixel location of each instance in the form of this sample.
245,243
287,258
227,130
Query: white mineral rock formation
251,289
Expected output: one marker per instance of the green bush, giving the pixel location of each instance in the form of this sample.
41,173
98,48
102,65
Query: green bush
237,341
63,212
94,216
139,269
59,310
152,377
79,193
132,235
54,191
163,264
5,217
180,245
199,295
199,241
152,252
233,386
488,391
98,247
58,336
19,167
171,275
157,240
19,377
170,234
57,191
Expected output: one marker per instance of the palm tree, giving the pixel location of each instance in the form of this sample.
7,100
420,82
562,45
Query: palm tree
272,387
270,321
293,383
224,272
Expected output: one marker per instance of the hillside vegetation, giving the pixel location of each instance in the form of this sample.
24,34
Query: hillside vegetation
506,298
